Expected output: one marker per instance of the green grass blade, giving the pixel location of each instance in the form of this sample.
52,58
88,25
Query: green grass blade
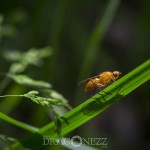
18,123
90,108
97,36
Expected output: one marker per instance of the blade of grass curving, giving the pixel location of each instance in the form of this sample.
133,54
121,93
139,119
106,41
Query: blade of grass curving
18,123
97,36
90,108
33,129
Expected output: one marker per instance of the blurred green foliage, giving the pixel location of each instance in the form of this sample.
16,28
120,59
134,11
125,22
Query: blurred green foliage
66,27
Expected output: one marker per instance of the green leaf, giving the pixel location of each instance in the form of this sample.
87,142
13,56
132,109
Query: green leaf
90,108
23,60
17,68
25,80
39,100
48,102
33,56
55,95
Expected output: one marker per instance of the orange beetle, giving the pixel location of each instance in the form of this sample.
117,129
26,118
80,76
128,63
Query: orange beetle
100,81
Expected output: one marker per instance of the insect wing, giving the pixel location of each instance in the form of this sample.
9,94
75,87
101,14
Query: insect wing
88,79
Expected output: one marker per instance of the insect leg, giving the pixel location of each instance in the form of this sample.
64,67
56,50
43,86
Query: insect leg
100,86
95,86
95,90
112,79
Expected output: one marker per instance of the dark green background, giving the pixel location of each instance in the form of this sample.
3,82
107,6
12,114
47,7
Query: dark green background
67,26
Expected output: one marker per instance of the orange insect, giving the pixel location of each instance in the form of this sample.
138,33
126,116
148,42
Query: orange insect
100,81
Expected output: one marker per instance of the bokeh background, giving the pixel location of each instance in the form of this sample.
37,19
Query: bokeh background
87,37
